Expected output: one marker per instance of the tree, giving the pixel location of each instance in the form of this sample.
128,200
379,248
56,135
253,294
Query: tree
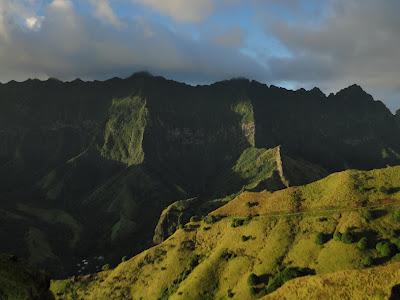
396,215
362,244
368,215
106,267
321,238
337,236
367,261
384,249
348,237
252,280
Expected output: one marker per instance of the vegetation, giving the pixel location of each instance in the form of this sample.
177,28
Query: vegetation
19,280
362,244
322,238
287,228
384,249
348,237
367,261
285,275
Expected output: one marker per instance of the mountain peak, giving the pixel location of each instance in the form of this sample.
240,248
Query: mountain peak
141,74
352,89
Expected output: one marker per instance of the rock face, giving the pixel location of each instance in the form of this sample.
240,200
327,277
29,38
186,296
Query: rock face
178,213
122,150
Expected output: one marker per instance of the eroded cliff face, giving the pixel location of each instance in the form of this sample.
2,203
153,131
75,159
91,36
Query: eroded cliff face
121,151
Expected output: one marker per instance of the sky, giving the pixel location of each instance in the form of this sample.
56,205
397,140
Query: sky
330,44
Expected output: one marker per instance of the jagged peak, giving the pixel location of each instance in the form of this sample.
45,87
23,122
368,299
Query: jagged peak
317,92
351,90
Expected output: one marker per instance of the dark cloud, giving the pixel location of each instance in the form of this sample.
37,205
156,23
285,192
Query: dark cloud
358,41
70,45
330,44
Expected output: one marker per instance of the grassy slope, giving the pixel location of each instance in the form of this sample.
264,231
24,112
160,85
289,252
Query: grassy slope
373,283
207,261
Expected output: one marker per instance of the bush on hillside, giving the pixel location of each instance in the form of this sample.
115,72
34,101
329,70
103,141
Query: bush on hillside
228,255
368,215
245,238
252,204
253,290
362,244
124,258
106,267
348,237
337,236
384,249
252,280
195,219
367,261
396,242
396,215
237,222
285,275
321,238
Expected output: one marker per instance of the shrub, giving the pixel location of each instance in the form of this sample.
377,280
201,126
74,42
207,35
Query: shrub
348,237
124,258
368,215
362,244
384,249
195,219
337,236
106,267
210,219
230,293
396,257
367,261
252,204
287,274
228,255
396,215
188,245
253,290
245,238
321,238
237,222
396,242
252,280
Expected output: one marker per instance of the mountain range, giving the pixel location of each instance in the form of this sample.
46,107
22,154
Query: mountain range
95,171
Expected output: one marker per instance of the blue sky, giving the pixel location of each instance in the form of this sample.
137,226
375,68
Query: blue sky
293,43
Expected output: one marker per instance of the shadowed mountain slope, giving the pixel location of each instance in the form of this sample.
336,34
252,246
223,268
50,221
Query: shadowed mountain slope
122,150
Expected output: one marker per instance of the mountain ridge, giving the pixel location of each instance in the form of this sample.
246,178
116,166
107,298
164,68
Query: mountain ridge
153,141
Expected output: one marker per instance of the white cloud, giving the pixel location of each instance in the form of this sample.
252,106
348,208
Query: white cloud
70,45
33,23
61,4
181,10
105,13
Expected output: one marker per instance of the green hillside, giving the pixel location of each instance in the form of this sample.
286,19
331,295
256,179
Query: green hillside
251,246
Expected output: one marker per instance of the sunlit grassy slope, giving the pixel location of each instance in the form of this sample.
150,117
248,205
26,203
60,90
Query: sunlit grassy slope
248,248
373,283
